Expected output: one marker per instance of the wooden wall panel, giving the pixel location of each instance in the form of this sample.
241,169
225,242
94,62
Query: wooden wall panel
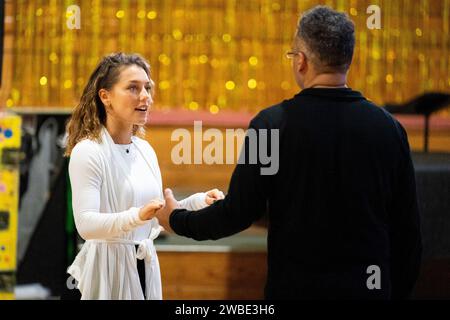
188,178
213,275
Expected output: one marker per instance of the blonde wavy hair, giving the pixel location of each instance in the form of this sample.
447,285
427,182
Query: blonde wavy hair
89,116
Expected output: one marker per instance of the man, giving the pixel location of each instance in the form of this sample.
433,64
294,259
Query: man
342,208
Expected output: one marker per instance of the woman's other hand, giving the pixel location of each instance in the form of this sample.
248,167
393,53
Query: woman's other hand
148,211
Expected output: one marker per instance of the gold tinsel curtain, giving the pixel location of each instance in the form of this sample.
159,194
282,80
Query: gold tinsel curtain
221,54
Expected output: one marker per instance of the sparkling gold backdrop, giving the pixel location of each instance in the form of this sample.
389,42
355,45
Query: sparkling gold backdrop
219,55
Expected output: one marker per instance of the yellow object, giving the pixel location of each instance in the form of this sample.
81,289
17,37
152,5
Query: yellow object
10,139
209,42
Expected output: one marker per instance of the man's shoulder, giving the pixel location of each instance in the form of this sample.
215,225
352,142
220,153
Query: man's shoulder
382,116
374,108
270,117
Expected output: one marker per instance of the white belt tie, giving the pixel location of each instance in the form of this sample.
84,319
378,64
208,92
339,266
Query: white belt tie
144,251
144,245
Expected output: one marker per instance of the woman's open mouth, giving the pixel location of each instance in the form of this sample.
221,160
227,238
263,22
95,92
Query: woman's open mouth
142,109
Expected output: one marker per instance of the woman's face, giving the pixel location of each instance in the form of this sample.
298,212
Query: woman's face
128,101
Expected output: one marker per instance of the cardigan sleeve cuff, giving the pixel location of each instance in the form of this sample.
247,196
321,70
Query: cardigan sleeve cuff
136,220
194,202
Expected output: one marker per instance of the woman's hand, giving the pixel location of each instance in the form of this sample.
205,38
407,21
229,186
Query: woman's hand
213,195
148,211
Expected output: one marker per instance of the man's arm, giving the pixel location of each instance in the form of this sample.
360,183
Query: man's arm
406,241
244,203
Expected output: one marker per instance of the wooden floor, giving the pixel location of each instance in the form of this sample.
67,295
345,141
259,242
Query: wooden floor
213,275
242,276
229,268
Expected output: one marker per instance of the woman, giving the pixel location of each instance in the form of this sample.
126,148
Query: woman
114,176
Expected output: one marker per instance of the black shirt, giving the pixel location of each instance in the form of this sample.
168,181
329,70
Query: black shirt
343,199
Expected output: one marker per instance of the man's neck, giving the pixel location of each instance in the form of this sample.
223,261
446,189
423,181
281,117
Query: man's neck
327,80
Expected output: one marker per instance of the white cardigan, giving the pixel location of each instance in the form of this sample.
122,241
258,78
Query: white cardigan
105,267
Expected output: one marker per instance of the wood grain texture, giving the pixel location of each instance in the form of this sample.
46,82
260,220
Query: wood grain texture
212,275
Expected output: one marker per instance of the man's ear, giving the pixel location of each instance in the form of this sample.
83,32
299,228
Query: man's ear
104,96
302,62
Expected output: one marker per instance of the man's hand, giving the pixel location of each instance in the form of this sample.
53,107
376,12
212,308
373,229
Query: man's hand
213,195
164,213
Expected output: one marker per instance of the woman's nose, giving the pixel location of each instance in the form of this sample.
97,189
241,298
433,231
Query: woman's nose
146,96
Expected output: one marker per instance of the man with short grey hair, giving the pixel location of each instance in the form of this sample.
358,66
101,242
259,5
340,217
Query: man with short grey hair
342,208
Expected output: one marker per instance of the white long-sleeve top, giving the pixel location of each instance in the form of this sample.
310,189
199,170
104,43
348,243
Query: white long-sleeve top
109,185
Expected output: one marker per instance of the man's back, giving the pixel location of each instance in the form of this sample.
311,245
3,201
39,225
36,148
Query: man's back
332,205
343,200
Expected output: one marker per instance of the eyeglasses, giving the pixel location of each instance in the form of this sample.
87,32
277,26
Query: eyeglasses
291,54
